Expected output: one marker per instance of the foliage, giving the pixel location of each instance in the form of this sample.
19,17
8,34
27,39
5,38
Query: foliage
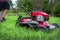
46,6
25,5
10,2
56,10
28,5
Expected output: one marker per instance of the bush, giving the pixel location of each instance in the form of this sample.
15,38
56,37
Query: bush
56,10
25,5
46,9
46,6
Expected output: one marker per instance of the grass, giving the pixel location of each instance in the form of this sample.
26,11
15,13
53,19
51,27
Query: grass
9,31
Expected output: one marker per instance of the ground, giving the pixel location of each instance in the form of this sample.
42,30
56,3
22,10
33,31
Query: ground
9,31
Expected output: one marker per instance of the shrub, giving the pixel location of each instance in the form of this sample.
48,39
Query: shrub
56,10
46,9
46,6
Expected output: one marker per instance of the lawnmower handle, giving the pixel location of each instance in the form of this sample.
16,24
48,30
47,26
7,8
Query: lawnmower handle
16,12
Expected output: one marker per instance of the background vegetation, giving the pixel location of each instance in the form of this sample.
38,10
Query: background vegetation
48,6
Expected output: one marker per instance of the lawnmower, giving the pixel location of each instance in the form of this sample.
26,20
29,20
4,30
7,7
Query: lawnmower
37,20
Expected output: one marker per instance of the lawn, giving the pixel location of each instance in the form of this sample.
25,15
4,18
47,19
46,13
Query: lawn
9,31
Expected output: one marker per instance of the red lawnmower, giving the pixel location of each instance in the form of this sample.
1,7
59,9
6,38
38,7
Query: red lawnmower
37,20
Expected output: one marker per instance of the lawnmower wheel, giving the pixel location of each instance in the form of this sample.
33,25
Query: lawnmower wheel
54,25
45,28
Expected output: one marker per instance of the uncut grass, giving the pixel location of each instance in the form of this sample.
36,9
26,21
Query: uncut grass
9,31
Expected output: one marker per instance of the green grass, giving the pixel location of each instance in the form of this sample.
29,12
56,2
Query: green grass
9,31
